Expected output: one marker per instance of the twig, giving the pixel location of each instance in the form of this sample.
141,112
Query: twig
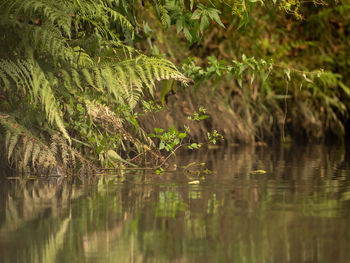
172,153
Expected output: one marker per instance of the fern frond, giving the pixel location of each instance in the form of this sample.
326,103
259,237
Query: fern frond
117,17
54,146
28,151
101,14
163,13
49,59
7,139
98,81
12,144
146,70
10,70
29,75
86,74
45,160
4,81
57,13
35,154
66,79
59,144
42,88
143,77
75,78
126,79
83,59
48,41
24,147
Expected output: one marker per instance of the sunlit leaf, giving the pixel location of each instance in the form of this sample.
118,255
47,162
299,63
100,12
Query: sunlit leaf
196,14
258,172
214,14
187,34
194,182
182,135
204,23
192,2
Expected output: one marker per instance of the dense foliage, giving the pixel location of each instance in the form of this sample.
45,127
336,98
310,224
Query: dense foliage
64,75
76,76
271,73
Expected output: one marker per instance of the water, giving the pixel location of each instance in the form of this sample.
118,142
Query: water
298,211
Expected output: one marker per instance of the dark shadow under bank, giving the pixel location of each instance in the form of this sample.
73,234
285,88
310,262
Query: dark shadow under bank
5,170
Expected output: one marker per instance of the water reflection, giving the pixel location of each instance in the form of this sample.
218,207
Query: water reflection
297,212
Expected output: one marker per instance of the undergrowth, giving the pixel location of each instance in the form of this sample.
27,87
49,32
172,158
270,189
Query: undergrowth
84,84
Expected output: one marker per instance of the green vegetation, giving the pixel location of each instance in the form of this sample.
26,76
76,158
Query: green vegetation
82,81
63,65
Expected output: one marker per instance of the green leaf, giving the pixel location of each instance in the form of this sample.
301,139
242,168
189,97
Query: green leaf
187,34
114,156
179,25
344,88
79,107
161,145
182,135
204,23
147,29
196,14
158,130
258,172
203,117
214,14
192,2
239,80
159,171
193,146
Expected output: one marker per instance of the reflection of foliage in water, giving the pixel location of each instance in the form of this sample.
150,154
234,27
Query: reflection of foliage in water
25,206
169,204
293,213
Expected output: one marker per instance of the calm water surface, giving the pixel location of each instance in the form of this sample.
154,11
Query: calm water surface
298,211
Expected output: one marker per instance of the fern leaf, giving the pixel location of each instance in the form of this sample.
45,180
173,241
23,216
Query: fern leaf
54,13
121,19
28,150
76,78
58,143
141,73
86,74
66,79
35,153
49,41
54,146
10,69
12,144
41,86
97,79
42,158
7,139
